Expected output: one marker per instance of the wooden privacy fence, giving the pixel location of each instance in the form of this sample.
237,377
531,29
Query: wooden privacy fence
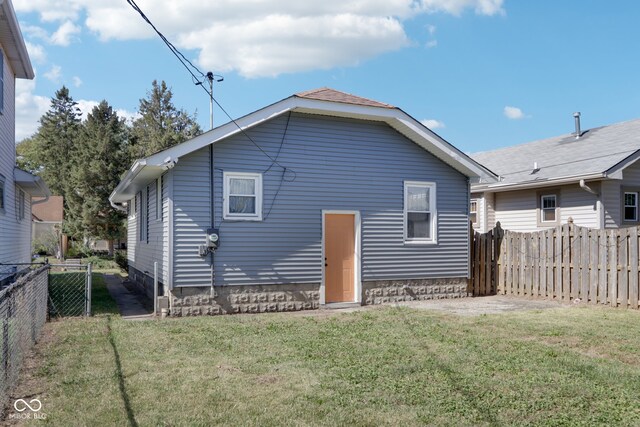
564,263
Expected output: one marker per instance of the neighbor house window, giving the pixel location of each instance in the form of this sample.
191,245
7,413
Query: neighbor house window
242,196
419,211
631,206
473,211
20,205
548,205
2,182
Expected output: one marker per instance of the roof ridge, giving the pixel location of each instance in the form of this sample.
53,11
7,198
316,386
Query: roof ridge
333,95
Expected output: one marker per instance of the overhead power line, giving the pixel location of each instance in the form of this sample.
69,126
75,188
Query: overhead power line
193,69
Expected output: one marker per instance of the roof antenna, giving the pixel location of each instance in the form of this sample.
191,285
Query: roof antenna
576,117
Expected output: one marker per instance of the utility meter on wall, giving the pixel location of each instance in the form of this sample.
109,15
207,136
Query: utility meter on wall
213,238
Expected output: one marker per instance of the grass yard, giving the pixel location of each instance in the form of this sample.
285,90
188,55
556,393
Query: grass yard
390,366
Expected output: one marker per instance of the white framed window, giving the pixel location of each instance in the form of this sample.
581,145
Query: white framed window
631,206
242,194
143,214
159,198
548,205
420,212
473,211
2,193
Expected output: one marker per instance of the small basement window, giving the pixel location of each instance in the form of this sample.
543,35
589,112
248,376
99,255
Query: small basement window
631,206
548,205
419,212
242,196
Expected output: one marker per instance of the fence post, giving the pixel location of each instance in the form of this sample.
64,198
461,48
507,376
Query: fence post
89,283
155,288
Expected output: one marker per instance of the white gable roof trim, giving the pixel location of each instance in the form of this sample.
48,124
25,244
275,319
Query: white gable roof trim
12,42
156,164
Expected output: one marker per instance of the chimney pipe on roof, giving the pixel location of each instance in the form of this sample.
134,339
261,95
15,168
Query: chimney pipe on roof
576,116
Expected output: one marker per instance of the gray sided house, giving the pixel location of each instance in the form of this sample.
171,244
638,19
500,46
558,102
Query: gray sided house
592,176
324,197
17,187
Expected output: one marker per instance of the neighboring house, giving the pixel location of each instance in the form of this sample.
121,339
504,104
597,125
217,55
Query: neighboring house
46,221
327,197
17,187
592,176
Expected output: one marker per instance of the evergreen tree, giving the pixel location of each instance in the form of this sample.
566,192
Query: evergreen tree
54,143
28,156
160,125
101,157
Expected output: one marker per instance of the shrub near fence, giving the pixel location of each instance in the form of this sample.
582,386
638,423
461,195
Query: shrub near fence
564,263
23,312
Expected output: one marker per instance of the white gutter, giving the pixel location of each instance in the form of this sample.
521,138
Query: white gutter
128,178
535,184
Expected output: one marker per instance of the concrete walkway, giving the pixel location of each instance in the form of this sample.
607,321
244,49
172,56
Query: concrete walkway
128,305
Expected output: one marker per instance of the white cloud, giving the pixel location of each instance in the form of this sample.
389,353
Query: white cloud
54,73
431,29
29,108
77,81
431,43
258,38
36,52
432,124
514,113
65,34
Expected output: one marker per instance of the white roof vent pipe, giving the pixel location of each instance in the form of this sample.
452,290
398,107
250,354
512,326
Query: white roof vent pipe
576,117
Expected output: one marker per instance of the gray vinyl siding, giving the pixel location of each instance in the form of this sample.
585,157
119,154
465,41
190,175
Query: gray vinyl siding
167,205
334,164
15,233
143,253
191,219
580,205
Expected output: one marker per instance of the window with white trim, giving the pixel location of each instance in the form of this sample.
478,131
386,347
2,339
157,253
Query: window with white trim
631,206
419,212
548,205
473,211
143,214
242,196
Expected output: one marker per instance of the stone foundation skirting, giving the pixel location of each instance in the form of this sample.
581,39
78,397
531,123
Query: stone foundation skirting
199,301
384,291
144,282
244,299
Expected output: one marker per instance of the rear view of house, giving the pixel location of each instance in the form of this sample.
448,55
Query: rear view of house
17,187
323,197
592,176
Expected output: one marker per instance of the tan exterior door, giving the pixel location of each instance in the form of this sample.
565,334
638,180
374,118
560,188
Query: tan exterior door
339,252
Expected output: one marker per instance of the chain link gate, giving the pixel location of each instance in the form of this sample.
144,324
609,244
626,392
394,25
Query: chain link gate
69,290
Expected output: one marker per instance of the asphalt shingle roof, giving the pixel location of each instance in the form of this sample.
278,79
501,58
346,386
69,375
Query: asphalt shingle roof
596,151
328,94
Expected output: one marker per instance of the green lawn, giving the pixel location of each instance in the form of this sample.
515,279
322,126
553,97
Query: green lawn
390,366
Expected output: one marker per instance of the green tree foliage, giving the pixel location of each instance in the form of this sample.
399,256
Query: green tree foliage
28,158
160,125
53,147
101,157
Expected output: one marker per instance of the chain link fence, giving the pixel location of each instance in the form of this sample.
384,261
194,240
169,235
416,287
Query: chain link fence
69,290
23,312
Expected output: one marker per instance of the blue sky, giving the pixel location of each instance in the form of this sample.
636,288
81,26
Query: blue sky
482,73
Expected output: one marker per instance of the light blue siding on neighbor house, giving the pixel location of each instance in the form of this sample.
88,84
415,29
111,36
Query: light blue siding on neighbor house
332,164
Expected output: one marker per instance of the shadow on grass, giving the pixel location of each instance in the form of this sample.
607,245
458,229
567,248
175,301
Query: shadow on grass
123,390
